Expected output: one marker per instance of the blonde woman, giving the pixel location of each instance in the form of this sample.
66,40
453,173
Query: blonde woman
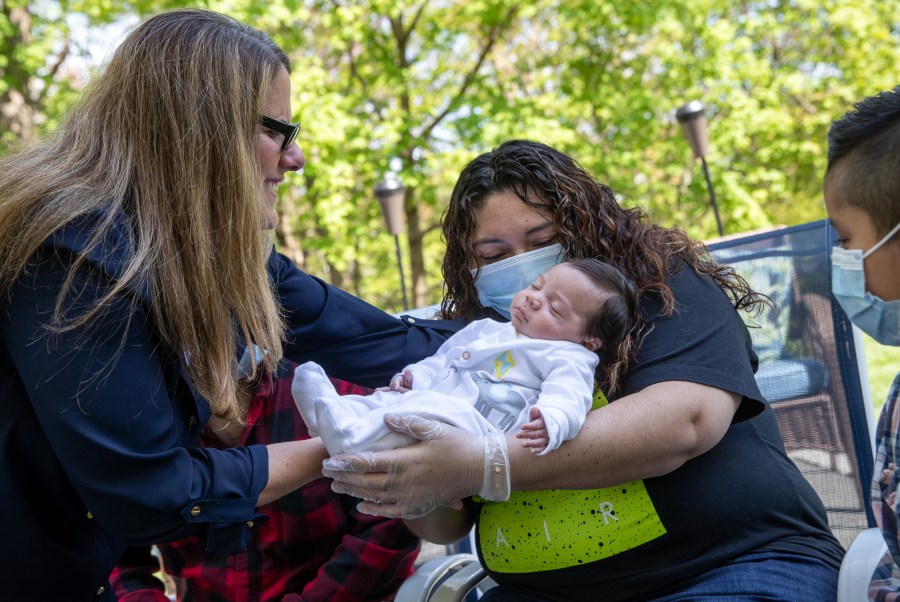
133,272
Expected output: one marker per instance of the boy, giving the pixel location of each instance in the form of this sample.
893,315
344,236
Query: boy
862,197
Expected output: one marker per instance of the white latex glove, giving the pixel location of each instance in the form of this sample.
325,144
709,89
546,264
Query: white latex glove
447,465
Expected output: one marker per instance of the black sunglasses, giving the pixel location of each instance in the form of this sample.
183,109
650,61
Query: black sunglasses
288,130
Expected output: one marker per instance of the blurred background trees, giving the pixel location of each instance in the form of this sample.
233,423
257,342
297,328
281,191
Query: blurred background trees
421,87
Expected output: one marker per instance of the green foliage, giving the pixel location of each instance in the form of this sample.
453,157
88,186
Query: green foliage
421,87
883,365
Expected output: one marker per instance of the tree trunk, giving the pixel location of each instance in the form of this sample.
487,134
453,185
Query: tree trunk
17,109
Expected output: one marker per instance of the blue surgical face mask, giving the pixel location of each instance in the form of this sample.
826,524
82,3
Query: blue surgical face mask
878,318
499,282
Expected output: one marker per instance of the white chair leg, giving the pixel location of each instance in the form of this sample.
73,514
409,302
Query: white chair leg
457,586
421,585
862,558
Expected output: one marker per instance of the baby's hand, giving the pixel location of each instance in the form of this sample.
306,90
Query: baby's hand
535,435
402,382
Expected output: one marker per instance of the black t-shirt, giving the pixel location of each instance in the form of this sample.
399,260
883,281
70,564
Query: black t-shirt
644,539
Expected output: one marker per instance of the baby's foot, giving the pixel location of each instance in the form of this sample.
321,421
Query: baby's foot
334,426
310,383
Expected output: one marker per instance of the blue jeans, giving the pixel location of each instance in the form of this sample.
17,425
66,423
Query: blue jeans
756,577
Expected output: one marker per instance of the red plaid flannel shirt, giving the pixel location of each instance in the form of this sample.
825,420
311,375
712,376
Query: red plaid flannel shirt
314,547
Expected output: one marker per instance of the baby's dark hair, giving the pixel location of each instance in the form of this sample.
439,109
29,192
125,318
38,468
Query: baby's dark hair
614,322
864,158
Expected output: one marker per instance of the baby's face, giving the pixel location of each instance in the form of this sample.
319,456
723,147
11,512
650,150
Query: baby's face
557,306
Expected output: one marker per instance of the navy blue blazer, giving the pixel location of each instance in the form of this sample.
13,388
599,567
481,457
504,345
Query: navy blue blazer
96,424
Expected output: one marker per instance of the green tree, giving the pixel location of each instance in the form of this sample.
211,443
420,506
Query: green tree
424,86
44,64
381,86
774,75
33,48
421,87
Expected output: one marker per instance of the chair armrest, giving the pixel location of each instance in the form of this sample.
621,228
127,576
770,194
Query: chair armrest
862,558
457,586
423,582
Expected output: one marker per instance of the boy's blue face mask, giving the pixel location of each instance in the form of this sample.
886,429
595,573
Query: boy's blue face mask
499,282
878,318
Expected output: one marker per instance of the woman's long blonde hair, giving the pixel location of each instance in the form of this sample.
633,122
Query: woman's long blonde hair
163,141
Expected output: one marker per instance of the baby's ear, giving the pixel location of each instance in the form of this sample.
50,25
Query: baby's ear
592,343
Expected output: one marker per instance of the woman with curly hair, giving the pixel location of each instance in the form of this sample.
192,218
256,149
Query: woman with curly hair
679,488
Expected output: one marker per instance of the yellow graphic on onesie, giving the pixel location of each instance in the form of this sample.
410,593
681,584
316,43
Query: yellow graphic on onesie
503,363
554,529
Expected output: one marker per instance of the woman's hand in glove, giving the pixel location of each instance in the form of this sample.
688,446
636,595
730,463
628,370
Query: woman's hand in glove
446,465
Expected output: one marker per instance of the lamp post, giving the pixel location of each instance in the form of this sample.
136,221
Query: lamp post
692,117
391,193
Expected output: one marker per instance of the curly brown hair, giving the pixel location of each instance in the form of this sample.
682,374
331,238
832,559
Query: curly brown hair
589,222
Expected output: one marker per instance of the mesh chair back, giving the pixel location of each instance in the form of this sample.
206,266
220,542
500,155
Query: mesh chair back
810,366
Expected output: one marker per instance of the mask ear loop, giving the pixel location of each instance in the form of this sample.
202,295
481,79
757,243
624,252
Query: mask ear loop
882,241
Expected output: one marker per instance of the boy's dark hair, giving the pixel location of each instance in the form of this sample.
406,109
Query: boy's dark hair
864,158
615,320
